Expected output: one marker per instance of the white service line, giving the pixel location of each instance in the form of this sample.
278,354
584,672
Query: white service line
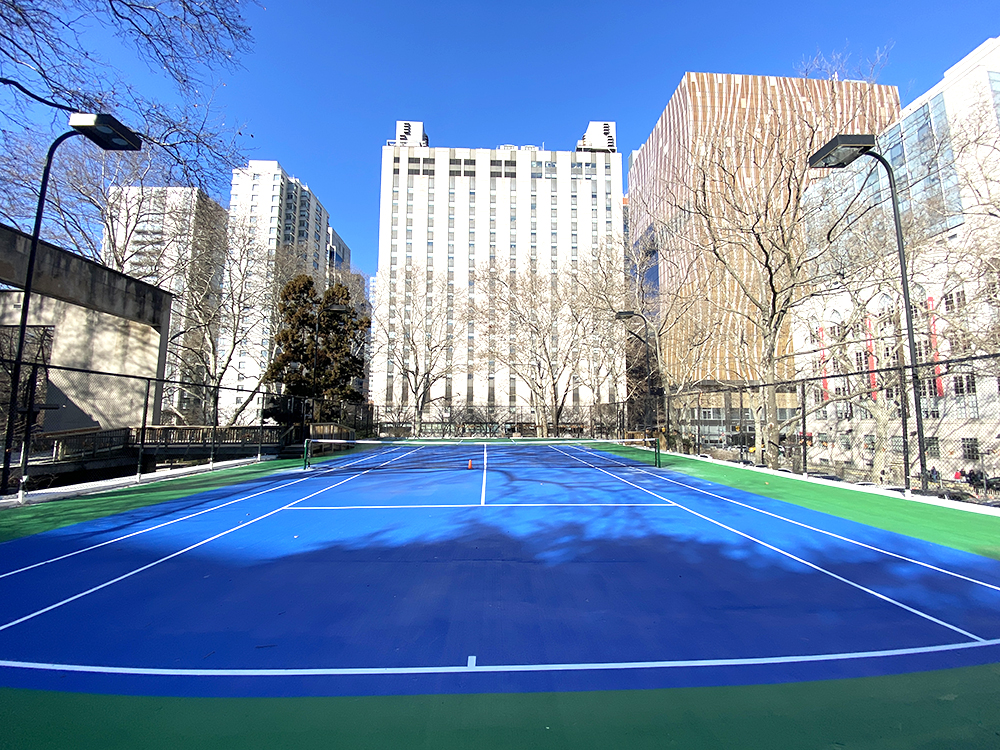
814,566
131,573
469,667
842,538
168,523
482,496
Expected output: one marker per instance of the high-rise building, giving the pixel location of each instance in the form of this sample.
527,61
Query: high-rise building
283,213
338,253
449,214
717,188
280,217
175,238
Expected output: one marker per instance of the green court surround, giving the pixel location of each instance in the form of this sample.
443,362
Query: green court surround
954,709
957,708
25,520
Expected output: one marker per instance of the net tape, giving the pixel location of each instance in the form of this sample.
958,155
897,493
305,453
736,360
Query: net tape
415,454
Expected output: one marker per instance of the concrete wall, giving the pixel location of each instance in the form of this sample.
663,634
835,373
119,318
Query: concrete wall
102,320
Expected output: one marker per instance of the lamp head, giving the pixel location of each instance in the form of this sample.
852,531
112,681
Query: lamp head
841,151
624,314
105,131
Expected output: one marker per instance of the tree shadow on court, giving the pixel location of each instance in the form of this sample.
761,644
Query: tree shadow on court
566,586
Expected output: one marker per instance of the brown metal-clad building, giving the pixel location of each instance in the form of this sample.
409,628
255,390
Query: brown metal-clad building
718,187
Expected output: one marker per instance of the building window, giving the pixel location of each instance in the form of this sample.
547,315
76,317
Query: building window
954,301
932,447
970,449
965,385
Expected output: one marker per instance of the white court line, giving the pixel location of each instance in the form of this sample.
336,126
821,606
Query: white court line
468,667
482,496
812,565
842,538
166,523
242,525
492,505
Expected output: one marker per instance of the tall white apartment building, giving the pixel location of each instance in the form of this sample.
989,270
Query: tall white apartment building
174,237
282,211
446,212
292,229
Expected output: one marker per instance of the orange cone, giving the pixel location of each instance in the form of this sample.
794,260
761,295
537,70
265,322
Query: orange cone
470,463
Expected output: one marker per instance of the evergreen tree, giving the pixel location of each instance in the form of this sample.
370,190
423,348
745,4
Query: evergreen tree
320,346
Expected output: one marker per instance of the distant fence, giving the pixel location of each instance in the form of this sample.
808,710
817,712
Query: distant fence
855,425
858,426
87,425
441,419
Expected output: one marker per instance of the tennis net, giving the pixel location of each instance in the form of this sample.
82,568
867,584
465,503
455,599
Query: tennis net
415,454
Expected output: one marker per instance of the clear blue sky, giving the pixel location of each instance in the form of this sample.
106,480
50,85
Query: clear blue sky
327,81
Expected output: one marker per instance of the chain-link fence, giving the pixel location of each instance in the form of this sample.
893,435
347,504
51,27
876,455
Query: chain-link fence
857,426
440,419
84,425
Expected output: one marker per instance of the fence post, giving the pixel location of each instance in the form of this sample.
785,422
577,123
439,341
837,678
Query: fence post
802,412
29,419
668,419
698,423
142,434
904,401
215,425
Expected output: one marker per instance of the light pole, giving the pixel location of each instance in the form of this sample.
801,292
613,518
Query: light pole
105,131
625,315
837,154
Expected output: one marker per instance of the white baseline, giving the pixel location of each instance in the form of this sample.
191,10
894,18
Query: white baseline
572,667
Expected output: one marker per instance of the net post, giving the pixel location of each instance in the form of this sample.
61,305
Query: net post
305,454
656,442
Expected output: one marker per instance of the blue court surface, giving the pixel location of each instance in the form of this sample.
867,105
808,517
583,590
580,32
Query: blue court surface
400,570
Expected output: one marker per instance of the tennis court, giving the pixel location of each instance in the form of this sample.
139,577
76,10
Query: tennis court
496,571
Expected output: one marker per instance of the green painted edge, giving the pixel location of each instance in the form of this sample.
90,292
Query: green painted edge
951,527
954,708
20,521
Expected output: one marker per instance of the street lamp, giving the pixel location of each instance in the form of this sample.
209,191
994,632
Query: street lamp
110,135
650,333
836,154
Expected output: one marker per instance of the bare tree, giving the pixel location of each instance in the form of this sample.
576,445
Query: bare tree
971,268
44,47
681,316
553,331
85,204
732,212
417,342
47,66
